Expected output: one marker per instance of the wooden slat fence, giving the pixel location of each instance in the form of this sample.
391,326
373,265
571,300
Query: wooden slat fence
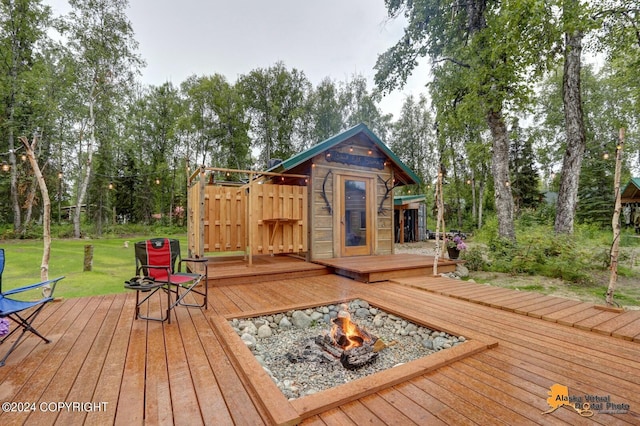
279,216
224,223
223,219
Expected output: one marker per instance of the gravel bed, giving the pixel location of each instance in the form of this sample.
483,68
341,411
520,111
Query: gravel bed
281,343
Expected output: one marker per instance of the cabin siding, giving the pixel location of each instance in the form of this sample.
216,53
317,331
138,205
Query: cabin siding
324,225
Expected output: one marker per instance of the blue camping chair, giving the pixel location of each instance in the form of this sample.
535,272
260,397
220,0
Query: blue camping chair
22,312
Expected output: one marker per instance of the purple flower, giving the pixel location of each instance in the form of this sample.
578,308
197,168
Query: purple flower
456,242
4,327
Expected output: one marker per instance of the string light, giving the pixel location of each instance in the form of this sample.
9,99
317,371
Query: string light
5,167
157,181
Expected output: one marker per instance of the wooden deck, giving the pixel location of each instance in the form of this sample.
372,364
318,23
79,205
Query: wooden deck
236,270
370,269
142,372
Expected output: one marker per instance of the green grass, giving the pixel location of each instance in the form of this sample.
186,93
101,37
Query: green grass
532,287
112,264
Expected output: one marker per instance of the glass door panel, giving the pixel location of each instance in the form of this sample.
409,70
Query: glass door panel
355,219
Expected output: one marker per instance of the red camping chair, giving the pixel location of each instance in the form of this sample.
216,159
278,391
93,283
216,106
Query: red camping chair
156,261
22,312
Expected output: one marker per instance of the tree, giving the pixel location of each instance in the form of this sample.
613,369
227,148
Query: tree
603,113
326,112
483,53
23,26
359,106
525,179
275,99
102,44
46,205
413,139
216,121
619,40
572,101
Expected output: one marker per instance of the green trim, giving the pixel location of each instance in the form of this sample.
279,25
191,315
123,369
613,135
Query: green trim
634,181
306,155
399,200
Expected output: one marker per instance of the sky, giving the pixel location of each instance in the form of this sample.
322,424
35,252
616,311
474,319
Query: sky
327,38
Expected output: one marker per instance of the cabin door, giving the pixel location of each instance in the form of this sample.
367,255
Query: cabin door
356,222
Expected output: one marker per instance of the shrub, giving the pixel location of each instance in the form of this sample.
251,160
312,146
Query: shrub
475,259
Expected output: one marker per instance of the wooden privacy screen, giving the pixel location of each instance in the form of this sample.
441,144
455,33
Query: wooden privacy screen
224,222
273,221
278,219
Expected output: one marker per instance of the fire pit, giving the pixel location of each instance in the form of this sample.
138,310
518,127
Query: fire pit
311,350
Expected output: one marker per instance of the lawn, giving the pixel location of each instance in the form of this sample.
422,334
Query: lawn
113,263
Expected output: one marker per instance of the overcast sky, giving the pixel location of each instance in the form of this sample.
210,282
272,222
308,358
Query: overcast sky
323,38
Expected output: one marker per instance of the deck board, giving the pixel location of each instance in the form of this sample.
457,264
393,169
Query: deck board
628,331
187,372
385,267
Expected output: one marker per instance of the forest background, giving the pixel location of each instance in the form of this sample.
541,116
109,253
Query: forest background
521,129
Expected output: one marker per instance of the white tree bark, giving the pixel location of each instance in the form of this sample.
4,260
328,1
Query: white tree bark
46,206
615,224
84,184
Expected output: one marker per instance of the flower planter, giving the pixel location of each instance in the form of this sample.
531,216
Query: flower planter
454,253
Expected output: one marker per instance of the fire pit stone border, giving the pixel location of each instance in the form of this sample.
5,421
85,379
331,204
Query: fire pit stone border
283,411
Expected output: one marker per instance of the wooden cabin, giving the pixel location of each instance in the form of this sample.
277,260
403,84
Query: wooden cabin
630,199
333,200
352,176
410,218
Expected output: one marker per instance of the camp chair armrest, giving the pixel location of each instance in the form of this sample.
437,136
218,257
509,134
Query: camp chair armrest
52,283
192,259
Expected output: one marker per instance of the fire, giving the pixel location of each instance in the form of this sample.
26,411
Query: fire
347,334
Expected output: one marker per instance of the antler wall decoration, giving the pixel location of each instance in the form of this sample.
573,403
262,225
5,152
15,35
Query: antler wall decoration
324,193
381,209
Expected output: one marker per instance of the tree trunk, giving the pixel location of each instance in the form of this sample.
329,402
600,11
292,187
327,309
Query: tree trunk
31,196
46,208
474,206
82,192
13,76
576,142
500,171
480,203
615,224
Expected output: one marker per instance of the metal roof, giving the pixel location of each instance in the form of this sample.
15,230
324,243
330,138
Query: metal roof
408,176
400,200
631,191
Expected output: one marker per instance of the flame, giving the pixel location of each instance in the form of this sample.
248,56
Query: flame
346,333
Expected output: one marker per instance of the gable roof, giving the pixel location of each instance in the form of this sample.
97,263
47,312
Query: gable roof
405,175
631,191
400,200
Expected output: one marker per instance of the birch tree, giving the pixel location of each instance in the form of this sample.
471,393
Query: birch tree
101,40
46,205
